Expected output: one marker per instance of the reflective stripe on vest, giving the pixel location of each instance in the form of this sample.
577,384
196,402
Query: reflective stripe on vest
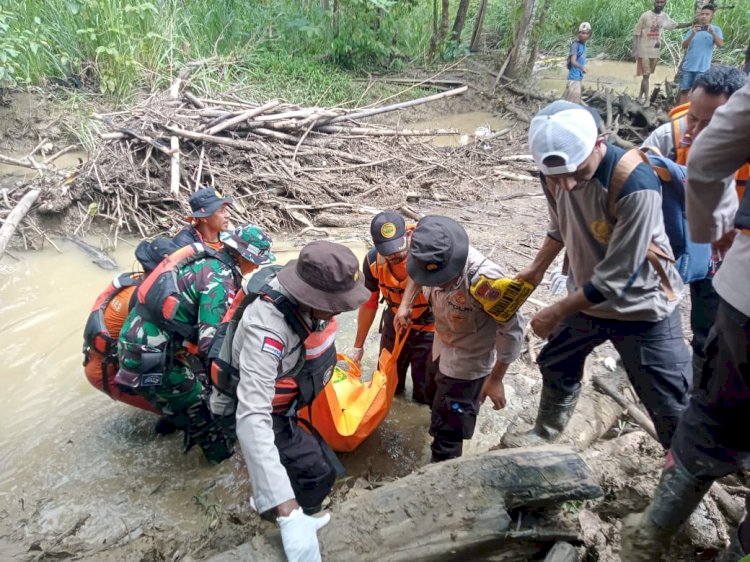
294,392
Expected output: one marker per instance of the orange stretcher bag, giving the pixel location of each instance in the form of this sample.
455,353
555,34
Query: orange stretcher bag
349,410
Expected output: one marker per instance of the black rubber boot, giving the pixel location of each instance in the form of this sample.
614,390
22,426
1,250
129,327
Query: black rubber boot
555,411
646,536
205,431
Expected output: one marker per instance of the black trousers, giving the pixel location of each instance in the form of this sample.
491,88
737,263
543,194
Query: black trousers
655,356
712,440
455,406
311,475
416,353
704,303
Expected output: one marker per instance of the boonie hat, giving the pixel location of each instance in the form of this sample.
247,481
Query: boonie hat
438,251
150,253
326,277
585,26
569,135
251,242
388,231
206,201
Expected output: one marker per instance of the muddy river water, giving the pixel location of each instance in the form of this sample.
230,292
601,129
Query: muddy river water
68,450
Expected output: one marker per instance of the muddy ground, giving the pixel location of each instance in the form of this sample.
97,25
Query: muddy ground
506,221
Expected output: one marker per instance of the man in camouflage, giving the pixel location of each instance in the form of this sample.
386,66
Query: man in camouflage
169,369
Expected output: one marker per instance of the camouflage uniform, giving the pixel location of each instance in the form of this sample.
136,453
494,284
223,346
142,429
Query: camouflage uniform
210,285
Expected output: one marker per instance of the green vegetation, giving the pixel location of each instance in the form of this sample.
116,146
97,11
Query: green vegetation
288,48
613,22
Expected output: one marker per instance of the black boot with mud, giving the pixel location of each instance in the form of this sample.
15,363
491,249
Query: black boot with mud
555,411
203,430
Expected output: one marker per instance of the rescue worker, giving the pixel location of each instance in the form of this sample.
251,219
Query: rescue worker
622,284
210,218
106,319
164,343
674,139
384,270
285,352
711,441
471,350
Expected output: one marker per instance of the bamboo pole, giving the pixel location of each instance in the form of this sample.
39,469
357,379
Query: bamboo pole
244,116
395,106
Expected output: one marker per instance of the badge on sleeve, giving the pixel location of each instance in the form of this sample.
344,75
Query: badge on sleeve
272,346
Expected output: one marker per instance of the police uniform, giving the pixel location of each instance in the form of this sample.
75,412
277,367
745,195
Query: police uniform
468,342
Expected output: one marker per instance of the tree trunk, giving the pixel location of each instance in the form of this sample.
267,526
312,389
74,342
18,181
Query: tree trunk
460,21
520,64
540,30
444,21
15,217
434,38
324,5
478,24
443,511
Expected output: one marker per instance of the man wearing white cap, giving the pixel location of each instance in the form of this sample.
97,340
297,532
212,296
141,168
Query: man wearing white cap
618,291
576,63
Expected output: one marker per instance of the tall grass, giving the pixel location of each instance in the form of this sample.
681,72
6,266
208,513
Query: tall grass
288,48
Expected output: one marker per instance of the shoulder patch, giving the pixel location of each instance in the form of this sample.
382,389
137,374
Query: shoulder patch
272,346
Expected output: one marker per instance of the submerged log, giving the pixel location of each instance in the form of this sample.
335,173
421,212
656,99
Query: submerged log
444,510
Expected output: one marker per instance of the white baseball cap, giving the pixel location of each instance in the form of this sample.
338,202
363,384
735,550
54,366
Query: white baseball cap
585,26
569,134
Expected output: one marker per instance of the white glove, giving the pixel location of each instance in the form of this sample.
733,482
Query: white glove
558,281
356,354
299,534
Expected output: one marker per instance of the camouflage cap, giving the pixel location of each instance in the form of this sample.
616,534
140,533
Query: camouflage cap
251,242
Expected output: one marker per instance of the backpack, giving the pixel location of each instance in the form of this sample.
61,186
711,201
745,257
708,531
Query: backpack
692,260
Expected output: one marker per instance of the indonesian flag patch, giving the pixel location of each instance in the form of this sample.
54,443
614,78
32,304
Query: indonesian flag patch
272,346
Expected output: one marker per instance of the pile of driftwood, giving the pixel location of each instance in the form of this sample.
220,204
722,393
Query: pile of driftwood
286,166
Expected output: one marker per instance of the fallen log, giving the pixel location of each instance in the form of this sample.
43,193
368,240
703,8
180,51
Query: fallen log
444,510
15,217
728,505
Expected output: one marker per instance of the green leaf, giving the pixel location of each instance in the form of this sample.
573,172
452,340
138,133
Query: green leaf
93,209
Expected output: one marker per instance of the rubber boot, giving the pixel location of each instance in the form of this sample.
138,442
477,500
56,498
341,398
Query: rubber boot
555,411
646,537
204,430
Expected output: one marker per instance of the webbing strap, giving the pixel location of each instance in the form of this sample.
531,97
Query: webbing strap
627,164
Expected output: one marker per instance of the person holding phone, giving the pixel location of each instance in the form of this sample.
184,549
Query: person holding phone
699,44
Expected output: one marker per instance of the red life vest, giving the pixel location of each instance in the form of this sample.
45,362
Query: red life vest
681,151
159,297
295,388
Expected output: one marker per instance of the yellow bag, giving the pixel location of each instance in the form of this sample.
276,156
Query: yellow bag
501,298
349,410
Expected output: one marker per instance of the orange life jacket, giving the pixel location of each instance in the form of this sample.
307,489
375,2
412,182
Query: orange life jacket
681,151
393,290
96,334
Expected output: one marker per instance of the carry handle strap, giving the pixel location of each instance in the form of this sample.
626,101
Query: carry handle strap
399,342
627,164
